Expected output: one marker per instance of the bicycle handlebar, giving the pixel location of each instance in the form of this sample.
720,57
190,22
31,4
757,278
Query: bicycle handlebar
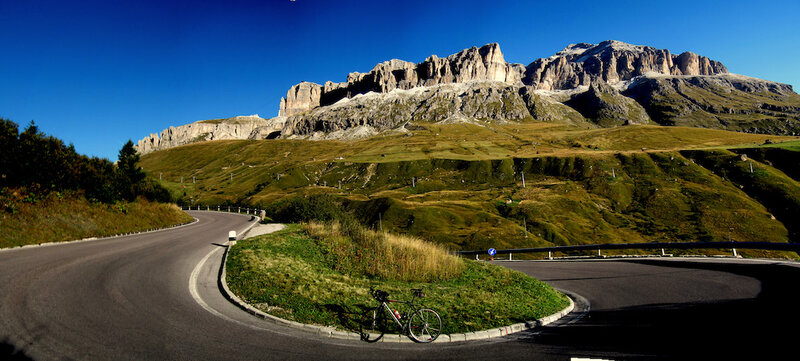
379,295
383,296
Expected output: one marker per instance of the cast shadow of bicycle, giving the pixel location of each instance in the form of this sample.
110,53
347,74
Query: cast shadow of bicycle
11,353
348,317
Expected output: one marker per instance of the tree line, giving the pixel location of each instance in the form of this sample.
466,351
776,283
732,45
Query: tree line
41,164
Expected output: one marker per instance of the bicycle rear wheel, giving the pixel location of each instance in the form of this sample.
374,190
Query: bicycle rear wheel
425,326
373,324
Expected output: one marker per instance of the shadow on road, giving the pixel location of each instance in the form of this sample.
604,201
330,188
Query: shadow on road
9,352
743,329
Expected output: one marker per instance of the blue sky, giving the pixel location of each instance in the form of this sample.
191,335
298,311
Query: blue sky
97,73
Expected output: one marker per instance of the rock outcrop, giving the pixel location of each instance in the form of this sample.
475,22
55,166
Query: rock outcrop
471,101
484,63
299,98
548,108
606,107
611,62
577,65
240,127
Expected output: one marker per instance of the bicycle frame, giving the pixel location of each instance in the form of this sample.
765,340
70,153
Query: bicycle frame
411,307
394,317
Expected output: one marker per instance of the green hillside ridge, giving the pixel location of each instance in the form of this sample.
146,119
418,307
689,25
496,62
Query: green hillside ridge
66,217
460,184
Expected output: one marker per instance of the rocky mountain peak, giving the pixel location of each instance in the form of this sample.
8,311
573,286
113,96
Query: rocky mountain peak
612,61
581,64
476,63
572,49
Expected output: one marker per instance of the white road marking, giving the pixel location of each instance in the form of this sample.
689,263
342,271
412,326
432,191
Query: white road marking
201,302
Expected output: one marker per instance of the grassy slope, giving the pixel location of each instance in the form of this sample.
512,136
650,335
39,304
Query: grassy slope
286,274
63,218
582,185
712,106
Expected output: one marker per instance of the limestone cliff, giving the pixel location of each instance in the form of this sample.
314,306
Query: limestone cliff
577,65
452,102
484,63
611,62
240,127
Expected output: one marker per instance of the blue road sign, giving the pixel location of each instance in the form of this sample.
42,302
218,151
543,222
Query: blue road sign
492,251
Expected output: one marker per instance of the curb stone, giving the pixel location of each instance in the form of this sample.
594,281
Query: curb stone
330,332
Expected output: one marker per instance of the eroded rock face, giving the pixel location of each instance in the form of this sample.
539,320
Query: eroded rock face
544,108
577,65
299,98
484,63
611,62
240,127
606,107
471,101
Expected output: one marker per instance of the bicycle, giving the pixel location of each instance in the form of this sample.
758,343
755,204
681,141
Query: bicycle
421,324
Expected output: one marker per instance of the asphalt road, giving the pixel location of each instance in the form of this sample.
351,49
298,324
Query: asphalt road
155,296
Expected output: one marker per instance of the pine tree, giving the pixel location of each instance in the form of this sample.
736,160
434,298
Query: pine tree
130,174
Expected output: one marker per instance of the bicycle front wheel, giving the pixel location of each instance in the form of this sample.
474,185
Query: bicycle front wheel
373,324
425,325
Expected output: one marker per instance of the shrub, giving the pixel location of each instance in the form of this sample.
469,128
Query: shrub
319,207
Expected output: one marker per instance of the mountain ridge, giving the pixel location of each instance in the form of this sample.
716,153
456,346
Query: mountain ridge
640,85
577,64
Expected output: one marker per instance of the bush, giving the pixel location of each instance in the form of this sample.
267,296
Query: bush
321,207
152,190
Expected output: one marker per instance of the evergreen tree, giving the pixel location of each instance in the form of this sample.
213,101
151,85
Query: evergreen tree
41,164
9,149
130,174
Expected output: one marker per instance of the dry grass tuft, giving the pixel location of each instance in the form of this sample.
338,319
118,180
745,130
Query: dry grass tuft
353,249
